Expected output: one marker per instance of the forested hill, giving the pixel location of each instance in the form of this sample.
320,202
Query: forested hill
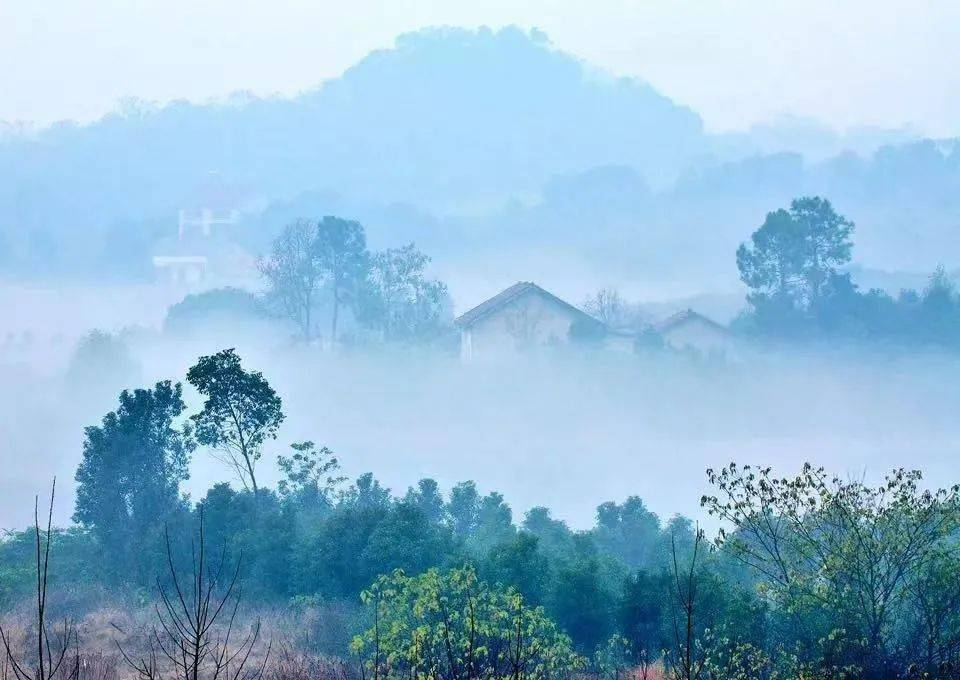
475,144
446,117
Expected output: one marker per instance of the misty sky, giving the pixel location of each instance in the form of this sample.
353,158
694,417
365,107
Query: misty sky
859,62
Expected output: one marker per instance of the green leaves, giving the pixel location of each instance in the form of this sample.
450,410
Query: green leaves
794,254
133,462
852,551
449,624
240,413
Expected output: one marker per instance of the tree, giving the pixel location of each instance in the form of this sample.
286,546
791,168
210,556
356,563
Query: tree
100,365
462,509
405,538
607,307
771,266
855,552
518,563
51,655
294,275
196,620
449,625
582,599
793,255
133,463
826,241
401,302
628,531
212,309
341,256
427,498
643,615
240,414
556,539
939,311
494,523
686,656
310,477
934,620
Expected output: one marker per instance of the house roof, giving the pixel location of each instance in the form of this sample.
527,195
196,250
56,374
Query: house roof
686,316
505,297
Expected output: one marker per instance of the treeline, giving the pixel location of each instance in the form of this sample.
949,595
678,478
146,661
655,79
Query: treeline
385,292
322,281
798,291
810,576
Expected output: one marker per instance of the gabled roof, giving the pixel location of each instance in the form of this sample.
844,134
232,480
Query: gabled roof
505,297
686,316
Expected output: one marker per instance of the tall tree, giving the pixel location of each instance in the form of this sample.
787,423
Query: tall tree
341,256
771,265
293,275
402,302
826,241
241,412
795,253
133,463
462,509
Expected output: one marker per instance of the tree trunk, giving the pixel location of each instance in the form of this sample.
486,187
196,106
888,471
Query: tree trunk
336,313
306,321
253,477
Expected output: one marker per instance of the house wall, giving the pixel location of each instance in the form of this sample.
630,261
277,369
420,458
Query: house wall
528,321
698,335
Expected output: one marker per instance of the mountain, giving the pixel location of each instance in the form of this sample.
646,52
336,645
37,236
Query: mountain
450,120
501,156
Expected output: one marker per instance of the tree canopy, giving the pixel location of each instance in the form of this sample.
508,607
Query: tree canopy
241,412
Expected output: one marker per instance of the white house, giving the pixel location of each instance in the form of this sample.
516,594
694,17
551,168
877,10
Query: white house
526,316
520,317
689,330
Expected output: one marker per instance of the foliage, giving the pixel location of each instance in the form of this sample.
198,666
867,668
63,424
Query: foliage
340,252
293,275
449,624
399,301
816,577
387,291
309,475
240,414
628,531
798,291
794,253
200,311
128,480
101,361
855,552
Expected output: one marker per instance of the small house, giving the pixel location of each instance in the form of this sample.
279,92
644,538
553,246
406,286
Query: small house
688,330
521,317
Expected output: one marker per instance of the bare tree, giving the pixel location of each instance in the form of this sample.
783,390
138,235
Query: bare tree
294,276
196,625
52,650
608,307
687,661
